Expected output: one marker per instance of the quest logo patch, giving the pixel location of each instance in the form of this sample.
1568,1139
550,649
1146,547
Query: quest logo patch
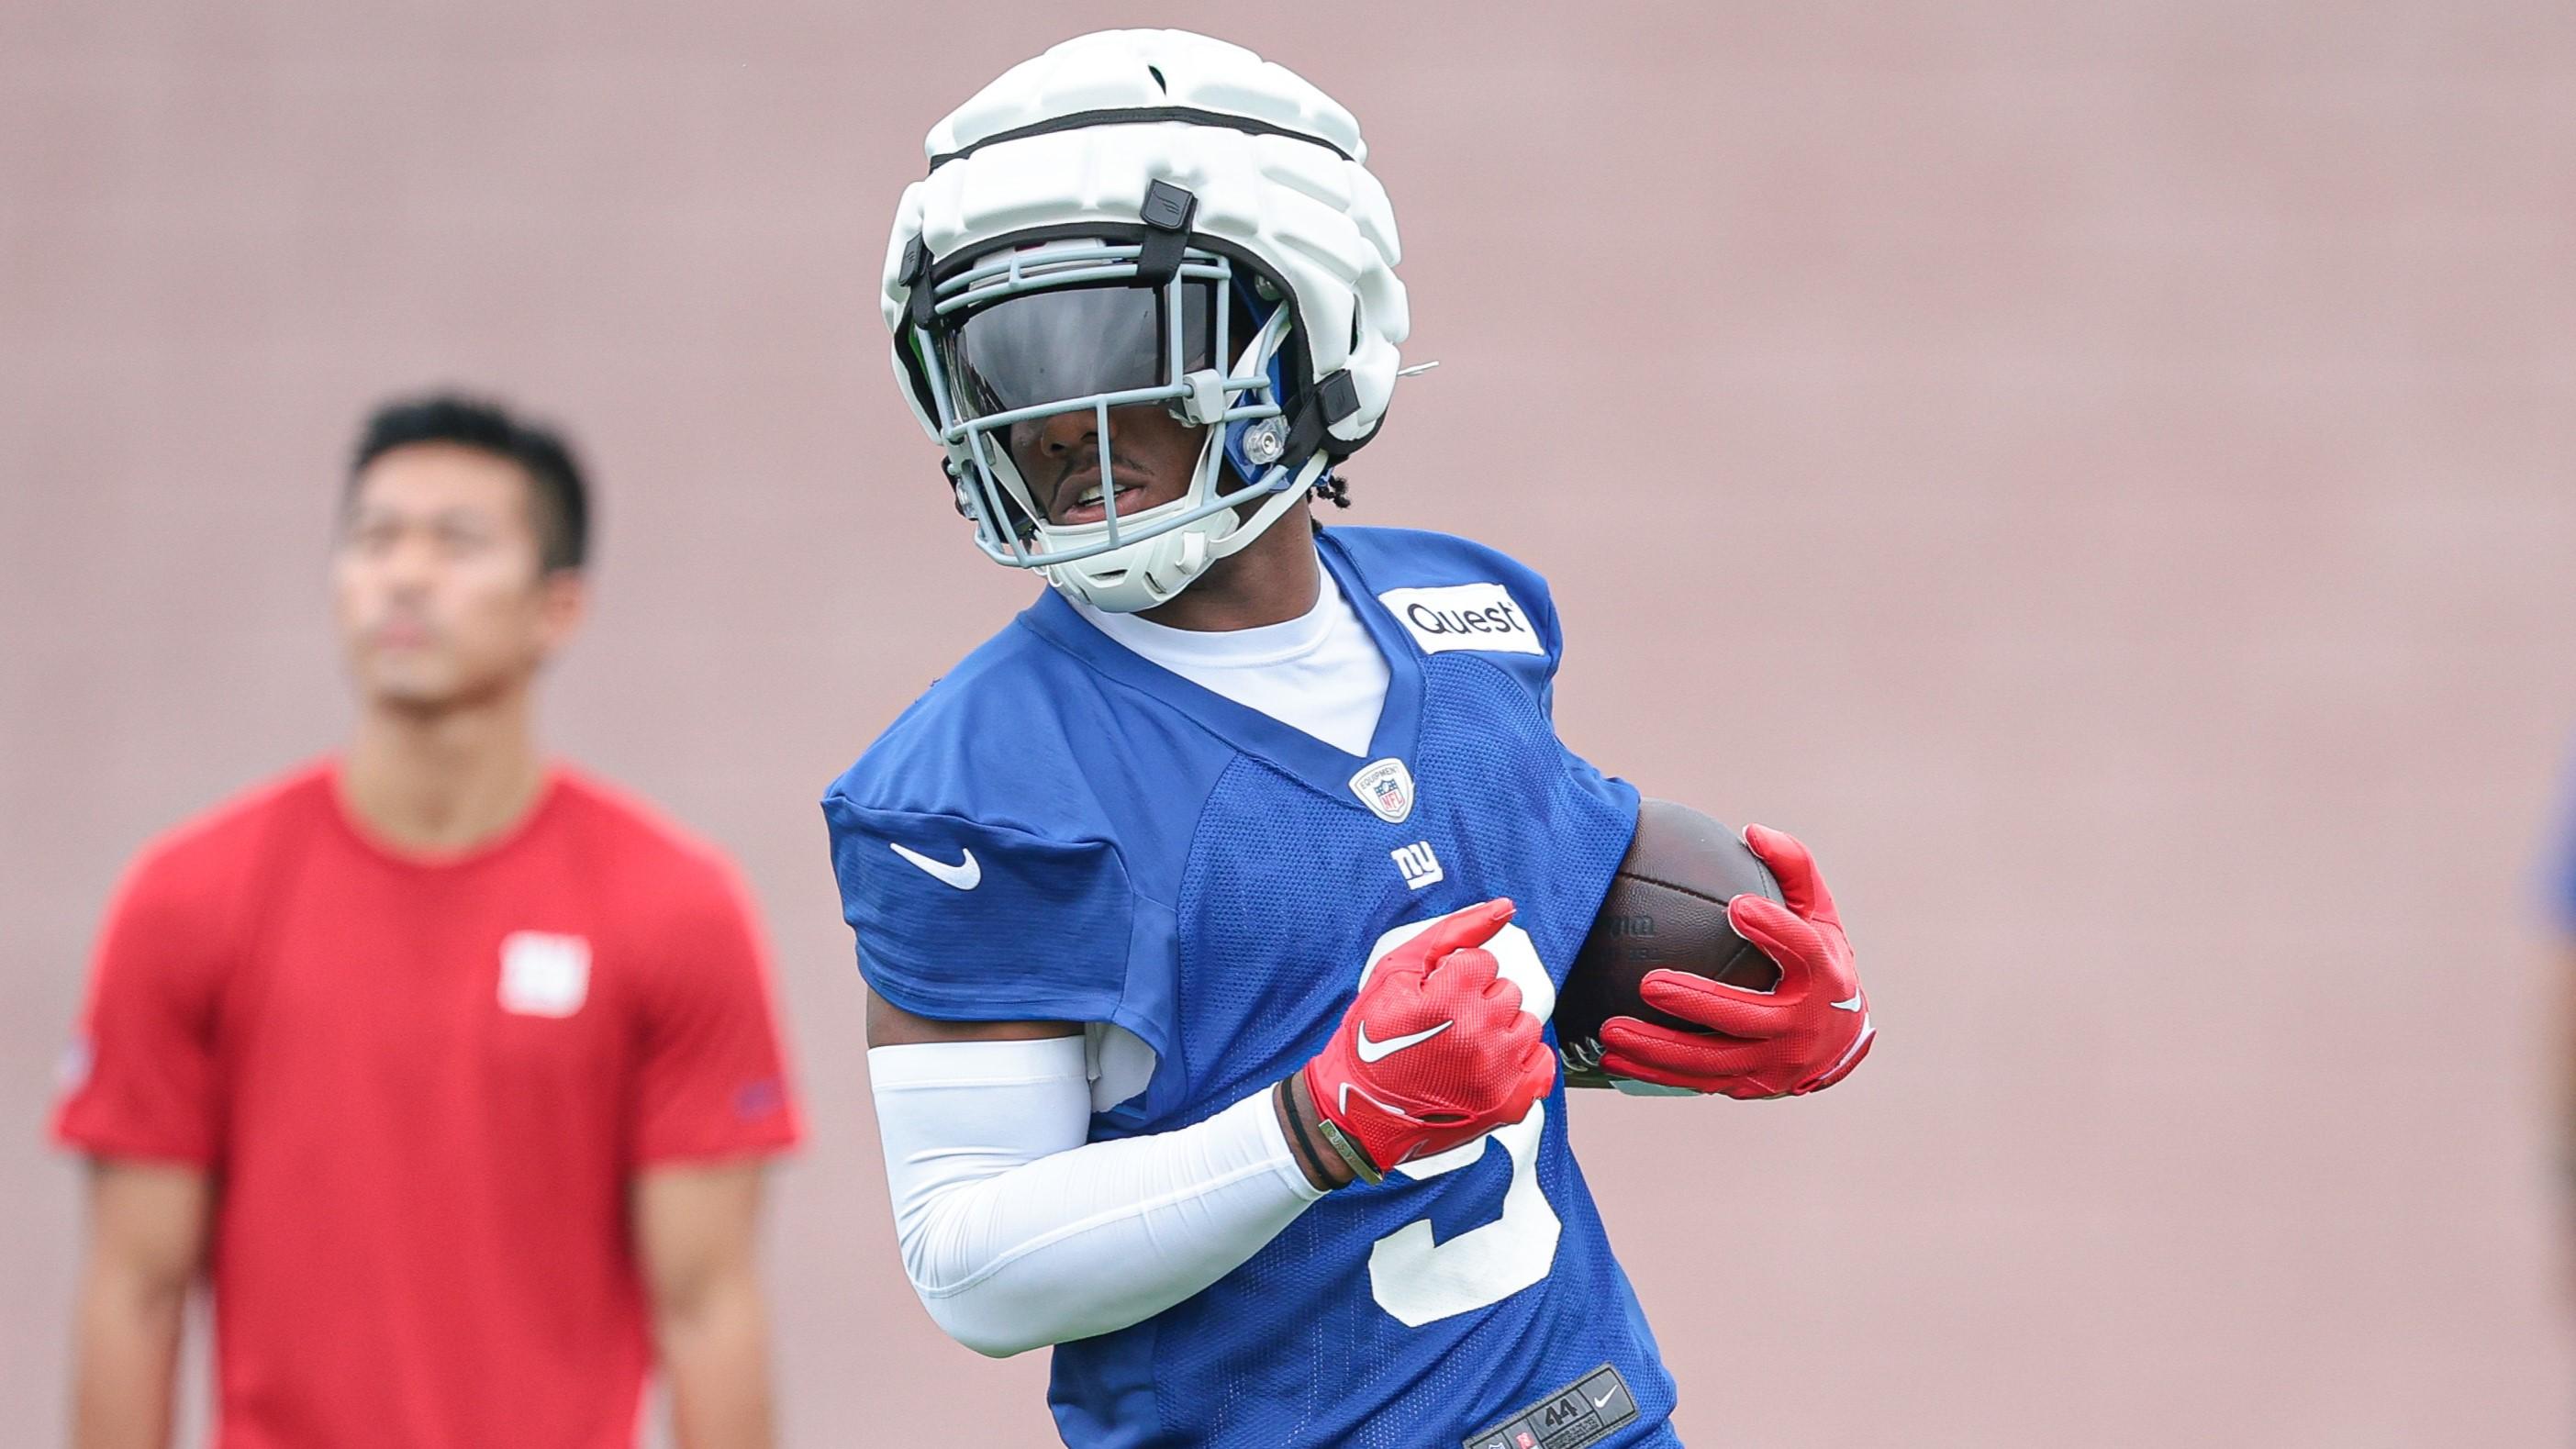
1465,616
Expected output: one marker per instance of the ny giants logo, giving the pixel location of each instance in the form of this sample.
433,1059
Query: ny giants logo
1417,864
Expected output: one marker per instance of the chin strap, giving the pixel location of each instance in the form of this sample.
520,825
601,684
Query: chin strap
1232,542
1331,399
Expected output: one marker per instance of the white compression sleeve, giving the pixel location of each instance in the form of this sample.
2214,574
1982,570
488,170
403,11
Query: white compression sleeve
1018,1232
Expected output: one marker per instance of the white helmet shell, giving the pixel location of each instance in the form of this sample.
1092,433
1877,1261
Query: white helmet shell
1068,145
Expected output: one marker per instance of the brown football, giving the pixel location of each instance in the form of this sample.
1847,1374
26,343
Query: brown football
1666,910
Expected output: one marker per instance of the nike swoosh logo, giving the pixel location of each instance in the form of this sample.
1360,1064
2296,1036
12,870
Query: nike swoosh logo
964,875
1605,1398
1851,1005
1350,1087
1378,1051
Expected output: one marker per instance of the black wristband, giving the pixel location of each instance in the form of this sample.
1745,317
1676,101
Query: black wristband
1299,1141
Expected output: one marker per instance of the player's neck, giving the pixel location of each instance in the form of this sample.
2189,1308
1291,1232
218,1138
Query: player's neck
439,782
1276,578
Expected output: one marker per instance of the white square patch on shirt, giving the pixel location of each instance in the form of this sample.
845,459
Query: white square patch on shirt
543,974
1464,616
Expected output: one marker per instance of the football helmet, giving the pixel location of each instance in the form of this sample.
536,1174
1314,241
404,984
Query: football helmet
1145,218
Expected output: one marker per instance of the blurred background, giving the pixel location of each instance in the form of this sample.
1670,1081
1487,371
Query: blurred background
2100,473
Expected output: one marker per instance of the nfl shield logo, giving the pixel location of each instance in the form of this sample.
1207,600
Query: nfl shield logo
1386,788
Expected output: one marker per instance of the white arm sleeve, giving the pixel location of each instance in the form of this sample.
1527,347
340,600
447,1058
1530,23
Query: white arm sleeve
1017,1232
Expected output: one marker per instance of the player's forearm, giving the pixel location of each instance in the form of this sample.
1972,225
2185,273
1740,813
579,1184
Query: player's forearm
715,1355
126,1356
1106,1235
1018,1233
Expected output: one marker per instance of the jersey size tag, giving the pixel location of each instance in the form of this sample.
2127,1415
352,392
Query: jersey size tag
1464,616
544,974
1580,1413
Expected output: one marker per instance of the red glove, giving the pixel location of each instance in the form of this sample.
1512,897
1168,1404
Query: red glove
1803,1035
1436,1052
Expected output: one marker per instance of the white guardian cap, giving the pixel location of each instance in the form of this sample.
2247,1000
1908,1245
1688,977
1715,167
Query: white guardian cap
1145,217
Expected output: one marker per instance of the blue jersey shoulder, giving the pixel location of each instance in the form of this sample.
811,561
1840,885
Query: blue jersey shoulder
1023,786
1411,557
1453,594
977,742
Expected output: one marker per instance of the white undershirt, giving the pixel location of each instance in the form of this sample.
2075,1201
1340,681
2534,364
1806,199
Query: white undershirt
1319,672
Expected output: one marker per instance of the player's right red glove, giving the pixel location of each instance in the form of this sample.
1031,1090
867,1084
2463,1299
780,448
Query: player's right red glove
1803,1035
1436,1052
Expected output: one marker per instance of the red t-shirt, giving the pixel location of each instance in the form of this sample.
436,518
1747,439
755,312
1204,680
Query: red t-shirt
422,1088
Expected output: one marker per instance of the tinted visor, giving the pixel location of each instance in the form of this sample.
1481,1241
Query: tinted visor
1063,343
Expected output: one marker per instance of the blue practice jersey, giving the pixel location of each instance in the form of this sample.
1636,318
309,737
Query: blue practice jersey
1150,855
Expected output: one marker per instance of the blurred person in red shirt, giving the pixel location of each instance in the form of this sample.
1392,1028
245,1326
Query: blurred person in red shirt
452,1068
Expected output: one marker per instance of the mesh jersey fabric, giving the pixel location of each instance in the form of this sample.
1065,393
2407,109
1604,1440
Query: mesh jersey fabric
1252,881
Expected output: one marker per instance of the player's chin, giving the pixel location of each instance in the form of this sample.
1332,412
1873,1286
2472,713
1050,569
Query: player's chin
404,677
424,685
410,699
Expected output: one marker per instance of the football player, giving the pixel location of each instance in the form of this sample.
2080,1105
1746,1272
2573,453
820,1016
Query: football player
1214,910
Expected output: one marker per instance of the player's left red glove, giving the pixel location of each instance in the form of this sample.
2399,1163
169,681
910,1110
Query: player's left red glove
1803,1035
